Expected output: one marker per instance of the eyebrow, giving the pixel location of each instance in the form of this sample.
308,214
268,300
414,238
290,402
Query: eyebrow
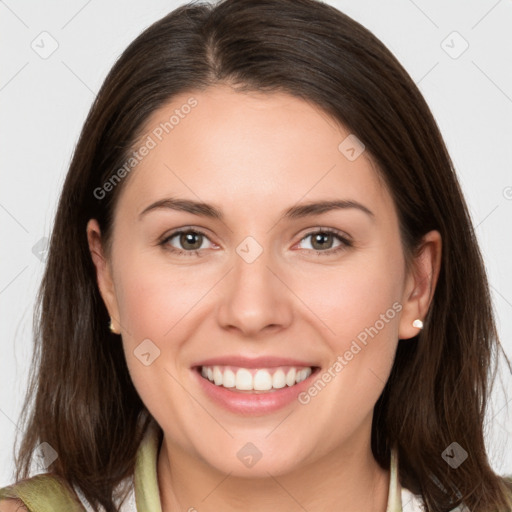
295,212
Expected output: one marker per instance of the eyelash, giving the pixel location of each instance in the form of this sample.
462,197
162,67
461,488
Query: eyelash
346,243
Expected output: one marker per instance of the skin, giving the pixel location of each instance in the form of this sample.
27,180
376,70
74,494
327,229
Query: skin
12,505
254,155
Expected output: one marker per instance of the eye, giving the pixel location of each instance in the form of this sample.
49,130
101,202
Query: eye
190,239
322,240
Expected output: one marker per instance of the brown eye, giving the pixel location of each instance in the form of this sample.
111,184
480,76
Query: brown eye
322,241
189,242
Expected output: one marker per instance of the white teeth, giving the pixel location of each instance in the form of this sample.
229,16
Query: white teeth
290,377
278,380
303,375
262,381
229,379
217,375
245,379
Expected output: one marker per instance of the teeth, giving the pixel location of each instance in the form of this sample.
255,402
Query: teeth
302,375
262,381
217,376
245,379
278,380
290,377
229,379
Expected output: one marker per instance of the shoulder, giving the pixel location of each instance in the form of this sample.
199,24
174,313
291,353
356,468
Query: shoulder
411,502
44,491
12,505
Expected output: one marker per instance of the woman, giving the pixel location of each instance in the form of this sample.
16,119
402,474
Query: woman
326,339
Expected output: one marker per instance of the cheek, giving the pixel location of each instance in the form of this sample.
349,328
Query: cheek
154,298
358,310
155,304
359,296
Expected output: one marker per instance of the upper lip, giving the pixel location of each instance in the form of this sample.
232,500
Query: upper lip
253,362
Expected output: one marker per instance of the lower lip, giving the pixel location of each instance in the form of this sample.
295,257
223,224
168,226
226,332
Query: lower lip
253,403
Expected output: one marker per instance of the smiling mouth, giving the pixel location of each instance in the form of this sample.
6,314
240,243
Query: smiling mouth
255,380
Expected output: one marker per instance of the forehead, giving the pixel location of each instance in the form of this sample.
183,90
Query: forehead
223,146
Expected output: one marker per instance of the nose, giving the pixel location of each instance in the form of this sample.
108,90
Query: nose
254,295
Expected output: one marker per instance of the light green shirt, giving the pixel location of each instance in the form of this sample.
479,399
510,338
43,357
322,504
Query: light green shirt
48,493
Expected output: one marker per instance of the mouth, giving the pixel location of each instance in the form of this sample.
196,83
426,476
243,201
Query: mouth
251,380
254,391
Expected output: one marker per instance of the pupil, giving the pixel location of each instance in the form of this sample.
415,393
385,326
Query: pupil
322,236
189,238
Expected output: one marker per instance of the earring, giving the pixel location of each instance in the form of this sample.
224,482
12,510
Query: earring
111,327
418,323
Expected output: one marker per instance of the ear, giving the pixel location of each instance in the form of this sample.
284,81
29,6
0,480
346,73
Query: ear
420,284
103,272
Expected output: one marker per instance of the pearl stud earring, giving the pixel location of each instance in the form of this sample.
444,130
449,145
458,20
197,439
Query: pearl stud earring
111,327
418,323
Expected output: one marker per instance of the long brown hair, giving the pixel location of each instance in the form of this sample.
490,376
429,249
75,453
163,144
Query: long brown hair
81,399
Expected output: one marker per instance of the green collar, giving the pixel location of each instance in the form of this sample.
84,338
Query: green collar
147,494
47,492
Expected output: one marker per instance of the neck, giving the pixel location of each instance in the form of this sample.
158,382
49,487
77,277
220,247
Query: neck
346,479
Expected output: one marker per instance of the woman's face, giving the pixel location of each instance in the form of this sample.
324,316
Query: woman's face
258,288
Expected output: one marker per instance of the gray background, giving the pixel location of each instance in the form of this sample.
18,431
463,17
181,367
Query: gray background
44,99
